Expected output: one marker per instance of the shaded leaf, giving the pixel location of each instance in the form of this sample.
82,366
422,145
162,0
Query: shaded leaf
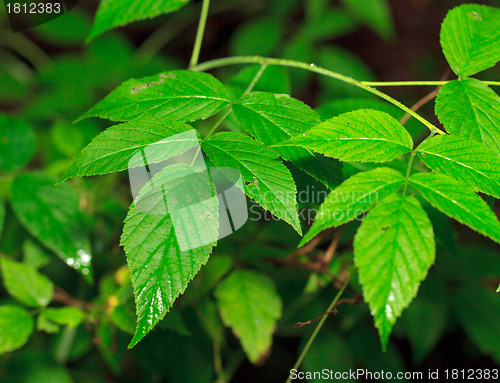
458,202
16,325
51,214
393,250
257,37
376,14
26,284
467,161
275,79
478,311
267,180
328,349
2,218
67,316
17,143
249,303
272,119
355,196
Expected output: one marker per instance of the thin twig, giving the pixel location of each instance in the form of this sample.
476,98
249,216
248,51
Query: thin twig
316,69
424,100
316,330
351,301
330,252
62,296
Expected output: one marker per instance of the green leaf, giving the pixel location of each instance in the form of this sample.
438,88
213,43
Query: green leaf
117,13
249,303
272,119
257,37
343,61
51,214
216,268
275,79
266,179
344,105
426,319
478,310
17,143
328,349
458,202
152,139
210,320
470,38
75,25
159,245
376,14
178,95
364,135
16,325
355,196
327,24
33,255
2,218
469,162
393,250
26,284
470,109
65,316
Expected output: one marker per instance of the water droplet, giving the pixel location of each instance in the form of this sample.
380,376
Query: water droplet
312,65
388,312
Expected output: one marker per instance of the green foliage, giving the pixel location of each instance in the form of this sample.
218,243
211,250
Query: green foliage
354,197
354,164
52,215
363,135
470,37
266,179
394,248
116,13
375,14
467,161
456,201
477,118
16,326
477,309
272,119
177,95
250,305
50,318
160,270
26,284
17,143
109,152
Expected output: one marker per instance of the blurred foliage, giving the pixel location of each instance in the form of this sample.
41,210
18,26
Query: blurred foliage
67,308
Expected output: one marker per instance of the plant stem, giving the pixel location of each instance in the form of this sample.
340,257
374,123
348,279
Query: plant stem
312,68
417,83
316,330
199,34
408,171
223,117
248,90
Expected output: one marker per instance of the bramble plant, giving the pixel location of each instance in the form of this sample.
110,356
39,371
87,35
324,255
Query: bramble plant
388,190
